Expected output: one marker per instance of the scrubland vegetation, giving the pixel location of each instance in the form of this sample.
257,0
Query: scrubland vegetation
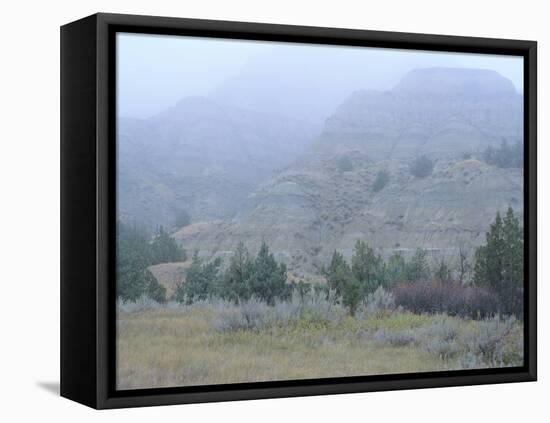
135,253
341,187
216,341
246,322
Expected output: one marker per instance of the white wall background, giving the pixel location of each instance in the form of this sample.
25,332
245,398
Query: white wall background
29,238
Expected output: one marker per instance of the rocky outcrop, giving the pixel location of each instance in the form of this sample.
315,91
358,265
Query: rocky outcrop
439,111
306,216
313,206
200,157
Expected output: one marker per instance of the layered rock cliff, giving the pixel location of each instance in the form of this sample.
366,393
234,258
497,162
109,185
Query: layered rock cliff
313,206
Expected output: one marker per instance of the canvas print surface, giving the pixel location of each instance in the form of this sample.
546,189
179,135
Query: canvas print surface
295,211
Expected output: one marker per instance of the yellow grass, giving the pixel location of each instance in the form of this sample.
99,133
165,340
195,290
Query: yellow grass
164,348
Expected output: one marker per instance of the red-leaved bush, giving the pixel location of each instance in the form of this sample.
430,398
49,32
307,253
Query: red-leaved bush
451,298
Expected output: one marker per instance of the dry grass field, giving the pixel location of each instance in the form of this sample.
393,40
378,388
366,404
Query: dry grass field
219,343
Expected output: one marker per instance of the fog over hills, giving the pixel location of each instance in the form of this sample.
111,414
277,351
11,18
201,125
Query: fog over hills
440,111
250,176
312,207
200,157
308,84
293,194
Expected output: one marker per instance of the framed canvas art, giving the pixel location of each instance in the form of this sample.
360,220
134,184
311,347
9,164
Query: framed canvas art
255,210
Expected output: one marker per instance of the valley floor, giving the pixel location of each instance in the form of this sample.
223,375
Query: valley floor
204,344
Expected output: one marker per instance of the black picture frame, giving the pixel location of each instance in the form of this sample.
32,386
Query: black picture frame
88,210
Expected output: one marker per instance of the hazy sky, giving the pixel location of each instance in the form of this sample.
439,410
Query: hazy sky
155,71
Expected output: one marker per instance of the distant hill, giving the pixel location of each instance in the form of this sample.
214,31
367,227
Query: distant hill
313,206
440,111
304,82
201,157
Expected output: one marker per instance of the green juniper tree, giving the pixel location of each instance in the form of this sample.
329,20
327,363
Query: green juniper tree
337,275
269,278
201,281
132,258
352,295
488,269
418,269
396,269
513,264
343,284
368,268
153,289
135,252
499,263
237,281
513,239
164,249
